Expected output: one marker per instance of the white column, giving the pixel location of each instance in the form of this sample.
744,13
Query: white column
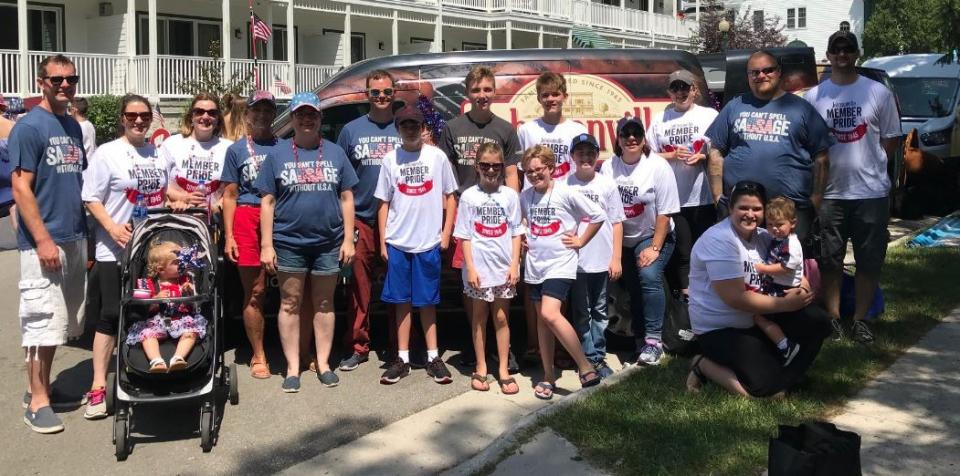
570,39
674,2
154,69
489,36
395,32
540,37
270,22
438,31
623,11
509,25
623,43
291,48
226,38
650,18
27,81
698,13
347,34
131,26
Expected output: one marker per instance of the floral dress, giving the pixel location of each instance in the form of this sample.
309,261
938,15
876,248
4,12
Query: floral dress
169,320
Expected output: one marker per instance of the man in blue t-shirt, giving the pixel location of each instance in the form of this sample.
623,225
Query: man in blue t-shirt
47,156
771,137
366,140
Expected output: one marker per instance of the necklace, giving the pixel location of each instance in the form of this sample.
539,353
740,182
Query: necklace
317,171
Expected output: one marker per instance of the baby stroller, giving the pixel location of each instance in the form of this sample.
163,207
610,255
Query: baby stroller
206,375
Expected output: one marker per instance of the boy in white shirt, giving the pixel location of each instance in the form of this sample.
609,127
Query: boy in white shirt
415,218
552,129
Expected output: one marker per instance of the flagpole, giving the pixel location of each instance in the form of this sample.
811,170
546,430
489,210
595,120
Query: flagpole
253,46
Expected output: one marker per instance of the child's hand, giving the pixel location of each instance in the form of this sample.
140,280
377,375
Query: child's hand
444,242
186,289
615,269
383,252
571,240
473,279
513,276
162,294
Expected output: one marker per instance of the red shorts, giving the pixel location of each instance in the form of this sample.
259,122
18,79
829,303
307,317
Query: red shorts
246,232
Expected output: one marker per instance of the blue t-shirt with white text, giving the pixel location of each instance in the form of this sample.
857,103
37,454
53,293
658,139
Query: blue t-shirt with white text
241,168
51,147
366,143
307,188
770,142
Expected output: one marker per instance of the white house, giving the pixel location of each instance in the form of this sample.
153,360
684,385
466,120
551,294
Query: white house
812,21
150,46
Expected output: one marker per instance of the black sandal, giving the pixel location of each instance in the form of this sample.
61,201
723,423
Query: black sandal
589,382
697,373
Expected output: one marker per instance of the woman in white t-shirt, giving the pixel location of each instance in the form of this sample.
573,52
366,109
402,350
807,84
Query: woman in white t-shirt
649,194
678,136
195,158
121,173
724,298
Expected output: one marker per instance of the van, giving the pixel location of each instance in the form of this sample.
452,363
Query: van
726,72
928,90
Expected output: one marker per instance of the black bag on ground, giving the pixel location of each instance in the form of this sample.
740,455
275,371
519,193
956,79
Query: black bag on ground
815,448
678,337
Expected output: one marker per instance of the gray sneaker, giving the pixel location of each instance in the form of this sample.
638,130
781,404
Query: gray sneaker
329,379
837,329
352,362
650,354
291,384
43,420
861,333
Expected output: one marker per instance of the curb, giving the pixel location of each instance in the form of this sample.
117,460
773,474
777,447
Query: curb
495,451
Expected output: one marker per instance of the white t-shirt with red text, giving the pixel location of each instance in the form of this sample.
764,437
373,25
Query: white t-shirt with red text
117,174
674,129
647,189
555,136
489,221
596,256
190,162
414,184
549,217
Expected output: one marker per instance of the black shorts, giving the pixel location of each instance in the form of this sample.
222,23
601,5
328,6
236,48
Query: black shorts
862,221
555,288
103,296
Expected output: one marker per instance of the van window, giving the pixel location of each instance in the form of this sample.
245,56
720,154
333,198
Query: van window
926,97
334,118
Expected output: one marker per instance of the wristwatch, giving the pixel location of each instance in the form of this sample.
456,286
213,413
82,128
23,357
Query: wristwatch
655,248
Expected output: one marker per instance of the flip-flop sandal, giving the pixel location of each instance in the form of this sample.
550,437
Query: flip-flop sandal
479,382
158,366
504,382
177,363
696,374
589,382
546,393
260,370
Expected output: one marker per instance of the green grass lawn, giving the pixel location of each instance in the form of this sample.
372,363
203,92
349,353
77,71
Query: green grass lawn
649,424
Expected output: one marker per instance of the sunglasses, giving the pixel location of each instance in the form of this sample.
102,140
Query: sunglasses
132,116
374,93
749,188
679,87
490,165
199,112
849,49
755,73
632,133
58,80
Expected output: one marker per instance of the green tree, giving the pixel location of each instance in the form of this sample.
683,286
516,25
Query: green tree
211,78
744,32
917,26
104,113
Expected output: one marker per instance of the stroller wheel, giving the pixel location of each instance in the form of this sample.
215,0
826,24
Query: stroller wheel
206,427
111,393
121,434
233,384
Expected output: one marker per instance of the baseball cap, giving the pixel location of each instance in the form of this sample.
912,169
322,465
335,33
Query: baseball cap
584,139
683,76
408,112
305,99
627,121
841,36
259,96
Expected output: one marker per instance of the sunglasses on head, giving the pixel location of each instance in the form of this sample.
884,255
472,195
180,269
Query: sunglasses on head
755,73
679,86
490,165
374,93
58,80
132,116
749,188
198,112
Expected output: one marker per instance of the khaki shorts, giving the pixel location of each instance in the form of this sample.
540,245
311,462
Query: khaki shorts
52,303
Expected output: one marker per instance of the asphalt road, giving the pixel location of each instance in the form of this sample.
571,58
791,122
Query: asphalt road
268,431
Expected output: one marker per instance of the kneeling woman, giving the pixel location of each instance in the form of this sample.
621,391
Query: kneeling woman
306,225
724,299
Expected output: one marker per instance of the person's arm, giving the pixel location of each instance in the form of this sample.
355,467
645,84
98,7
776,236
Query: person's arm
512,177
473,279
449,216
382,212
821,171
347,209
575,242
615,268
773,269
733,294
715,174
230,193
47,251
648,255
513,277
268,256
120,232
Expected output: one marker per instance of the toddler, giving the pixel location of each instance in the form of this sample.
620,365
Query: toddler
783,269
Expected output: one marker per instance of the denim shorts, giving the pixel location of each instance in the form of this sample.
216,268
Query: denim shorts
555,288
318,260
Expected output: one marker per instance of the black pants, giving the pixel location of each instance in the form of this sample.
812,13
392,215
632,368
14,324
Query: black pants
688,225
103,296
755,359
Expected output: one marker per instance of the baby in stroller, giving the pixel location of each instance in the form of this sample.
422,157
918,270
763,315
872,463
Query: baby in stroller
166,278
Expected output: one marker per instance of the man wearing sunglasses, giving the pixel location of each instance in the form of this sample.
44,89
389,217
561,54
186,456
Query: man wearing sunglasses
367,140
774,138
46,153
862,116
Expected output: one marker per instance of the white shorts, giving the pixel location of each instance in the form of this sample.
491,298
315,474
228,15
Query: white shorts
504,291
52,303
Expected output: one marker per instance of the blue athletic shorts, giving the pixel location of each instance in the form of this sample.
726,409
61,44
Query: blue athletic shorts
412,277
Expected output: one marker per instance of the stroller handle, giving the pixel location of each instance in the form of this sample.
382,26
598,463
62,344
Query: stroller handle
188,211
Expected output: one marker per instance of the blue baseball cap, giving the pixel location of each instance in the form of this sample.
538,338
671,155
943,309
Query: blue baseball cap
305,99
584,139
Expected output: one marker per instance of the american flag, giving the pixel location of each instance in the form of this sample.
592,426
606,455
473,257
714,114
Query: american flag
157,115
282,86
261,31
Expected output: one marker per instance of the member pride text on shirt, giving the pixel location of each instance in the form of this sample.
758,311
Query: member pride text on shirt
310,176
762,126
845,121
200,168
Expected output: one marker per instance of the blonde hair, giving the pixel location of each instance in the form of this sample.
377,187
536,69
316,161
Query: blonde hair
541,152
551,81
781,208
160,255
478,73
490,148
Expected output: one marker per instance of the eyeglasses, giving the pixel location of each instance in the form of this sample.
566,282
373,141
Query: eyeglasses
132,116
755,73
849,49
374,93
199,112
490,165
536,171
679,87
58,80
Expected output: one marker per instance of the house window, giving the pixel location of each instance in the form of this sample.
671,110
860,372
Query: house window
181,36
358,44
801,18
279,43
758,21
796,18
44,27
470,46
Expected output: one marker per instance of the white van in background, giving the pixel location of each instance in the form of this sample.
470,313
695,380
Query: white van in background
928,88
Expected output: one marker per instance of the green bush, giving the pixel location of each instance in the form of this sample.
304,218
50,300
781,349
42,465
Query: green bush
104,113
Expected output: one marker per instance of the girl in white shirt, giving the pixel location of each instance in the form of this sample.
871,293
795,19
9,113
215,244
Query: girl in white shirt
488,223
195,158
552,212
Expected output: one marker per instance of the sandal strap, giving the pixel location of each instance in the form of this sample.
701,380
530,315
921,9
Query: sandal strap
157,361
